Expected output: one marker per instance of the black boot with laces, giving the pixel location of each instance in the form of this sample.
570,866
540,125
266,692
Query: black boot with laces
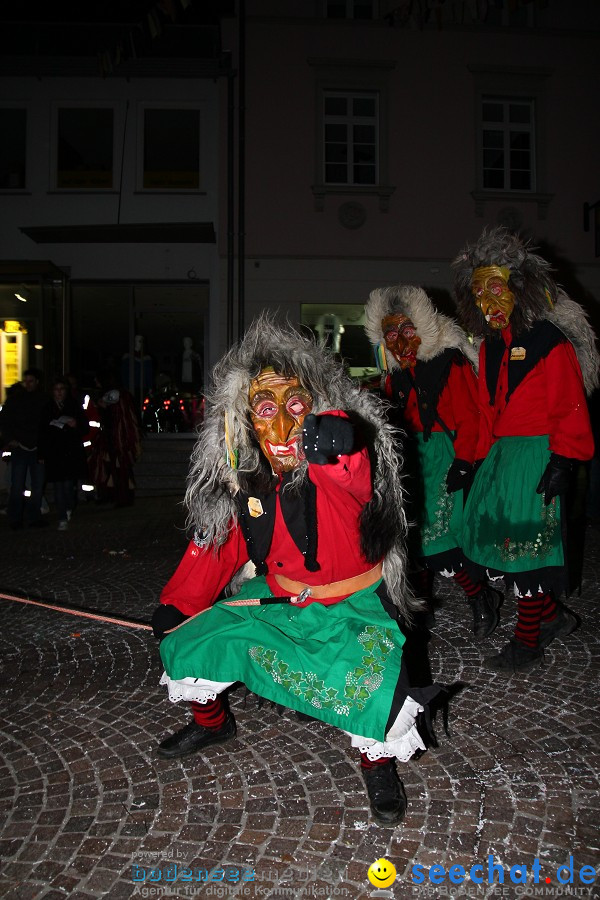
194,737
386,794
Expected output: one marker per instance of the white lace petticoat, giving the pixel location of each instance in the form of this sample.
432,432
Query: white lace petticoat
401,740
198,689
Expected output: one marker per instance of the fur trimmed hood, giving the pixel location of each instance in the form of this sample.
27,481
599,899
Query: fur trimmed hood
537,296
213,484
437,332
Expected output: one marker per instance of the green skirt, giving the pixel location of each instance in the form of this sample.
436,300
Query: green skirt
338,663
439,514
507,527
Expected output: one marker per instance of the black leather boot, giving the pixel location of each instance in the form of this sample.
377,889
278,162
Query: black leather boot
194,737
515,657
386,794
485,606
564,623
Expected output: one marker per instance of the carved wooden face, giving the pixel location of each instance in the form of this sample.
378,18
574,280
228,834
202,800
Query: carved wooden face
278,406
401,339
489,286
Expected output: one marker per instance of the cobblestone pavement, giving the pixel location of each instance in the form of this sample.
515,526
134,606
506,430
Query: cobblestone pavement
84,798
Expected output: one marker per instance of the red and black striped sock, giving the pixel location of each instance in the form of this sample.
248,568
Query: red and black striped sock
366,763
470,587
549,608
527,629
211,715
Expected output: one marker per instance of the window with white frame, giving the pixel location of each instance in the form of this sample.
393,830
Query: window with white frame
84,147
171,154
13,148
349,9
350,138
507,143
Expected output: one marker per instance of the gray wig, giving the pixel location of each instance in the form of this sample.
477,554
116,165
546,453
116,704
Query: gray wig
537,295
437,331
213,484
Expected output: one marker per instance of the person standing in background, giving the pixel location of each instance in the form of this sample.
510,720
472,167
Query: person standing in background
61,448
537,361
117,446
20,427
431,380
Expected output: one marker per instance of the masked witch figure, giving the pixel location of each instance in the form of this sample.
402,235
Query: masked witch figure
537,360
429,376
294,470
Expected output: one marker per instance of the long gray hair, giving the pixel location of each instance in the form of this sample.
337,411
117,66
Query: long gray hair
213,482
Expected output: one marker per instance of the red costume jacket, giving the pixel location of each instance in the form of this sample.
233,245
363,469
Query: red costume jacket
456,406
342,490
550,400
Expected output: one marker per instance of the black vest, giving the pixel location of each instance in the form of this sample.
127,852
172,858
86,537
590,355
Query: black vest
299,510
542,337
428,379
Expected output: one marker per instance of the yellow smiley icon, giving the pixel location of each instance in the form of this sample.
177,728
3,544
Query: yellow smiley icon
381,873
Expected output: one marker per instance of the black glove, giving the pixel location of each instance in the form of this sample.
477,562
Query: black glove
556,477
164,618
459,476
326,436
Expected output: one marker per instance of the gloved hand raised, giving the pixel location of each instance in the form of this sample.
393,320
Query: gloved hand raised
556,477
165,617
326,436
459,476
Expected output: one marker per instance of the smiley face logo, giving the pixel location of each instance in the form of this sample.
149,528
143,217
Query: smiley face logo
381,873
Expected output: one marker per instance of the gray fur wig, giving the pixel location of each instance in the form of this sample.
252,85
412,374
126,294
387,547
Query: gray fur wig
537,295
437,332
213,484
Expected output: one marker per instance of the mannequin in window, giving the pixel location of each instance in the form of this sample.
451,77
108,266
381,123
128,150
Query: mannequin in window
191,367
329,329
143,370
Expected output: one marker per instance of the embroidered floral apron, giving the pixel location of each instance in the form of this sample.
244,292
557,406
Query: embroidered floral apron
338,663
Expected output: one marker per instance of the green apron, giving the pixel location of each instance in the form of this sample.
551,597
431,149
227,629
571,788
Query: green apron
338,663
507,527
439,514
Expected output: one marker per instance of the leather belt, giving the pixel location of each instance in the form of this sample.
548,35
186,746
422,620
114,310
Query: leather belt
334,588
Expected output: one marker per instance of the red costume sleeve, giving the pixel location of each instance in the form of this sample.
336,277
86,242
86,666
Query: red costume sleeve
568,416
203,573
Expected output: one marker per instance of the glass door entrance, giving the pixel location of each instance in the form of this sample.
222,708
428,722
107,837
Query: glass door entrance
151,336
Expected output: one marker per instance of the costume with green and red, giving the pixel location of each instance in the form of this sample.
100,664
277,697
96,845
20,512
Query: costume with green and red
532,403
337,659
438,402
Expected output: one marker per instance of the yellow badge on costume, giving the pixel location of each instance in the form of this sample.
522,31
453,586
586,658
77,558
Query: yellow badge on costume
518,353
255,507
